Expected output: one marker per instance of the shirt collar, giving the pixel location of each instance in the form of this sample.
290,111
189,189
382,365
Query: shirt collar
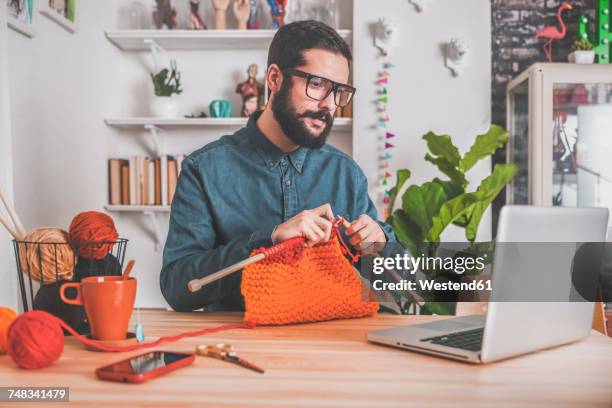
271,154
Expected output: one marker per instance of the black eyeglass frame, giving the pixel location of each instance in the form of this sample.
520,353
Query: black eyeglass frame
334,87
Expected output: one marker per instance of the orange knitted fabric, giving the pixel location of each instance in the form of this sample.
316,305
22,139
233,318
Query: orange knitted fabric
300,285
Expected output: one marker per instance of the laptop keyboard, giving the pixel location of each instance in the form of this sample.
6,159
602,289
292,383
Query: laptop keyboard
470,340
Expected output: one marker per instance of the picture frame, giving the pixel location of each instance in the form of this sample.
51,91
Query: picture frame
62,12
21,16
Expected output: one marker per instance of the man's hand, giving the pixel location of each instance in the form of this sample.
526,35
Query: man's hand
366,235
314,225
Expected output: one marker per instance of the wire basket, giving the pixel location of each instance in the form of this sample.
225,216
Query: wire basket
42,268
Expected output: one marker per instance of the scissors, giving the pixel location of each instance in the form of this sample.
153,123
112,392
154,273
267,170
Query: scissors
226,352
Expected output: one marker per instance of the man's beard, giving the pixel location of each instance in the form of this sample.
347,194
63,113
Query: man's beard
295,129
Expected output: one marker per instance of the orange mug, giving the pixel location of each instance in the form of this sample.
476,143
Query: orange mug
108,303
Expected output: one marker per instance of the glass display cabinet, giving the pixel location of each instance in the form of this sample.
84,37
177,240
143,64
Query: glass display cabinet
560,127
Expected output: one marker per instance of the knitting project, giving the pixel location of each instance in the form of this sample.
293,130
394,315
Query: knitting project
300,285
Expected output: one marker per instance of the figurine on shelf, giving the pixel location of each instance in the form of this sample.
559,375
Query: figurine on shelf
253,23
552,33
164,15
220,7
242,12
195,21
252,92
278,9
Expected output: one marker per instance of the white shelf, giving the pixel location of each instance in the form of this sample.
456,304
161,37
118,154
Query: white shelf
138,208
139,40
152,212
340,124
20,27
58,18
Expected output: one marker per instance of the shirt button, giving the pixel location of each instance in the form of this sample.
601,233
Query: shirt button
287,183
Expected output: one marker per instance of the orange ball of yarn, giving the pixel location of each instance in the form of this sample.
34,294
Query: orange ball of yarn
90,227
35,339
6,318
47,249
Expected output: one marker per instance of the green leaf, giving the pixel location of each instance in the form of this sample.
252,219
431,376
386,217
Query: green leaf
451,211
402,176
490,187
422,203
449,169
442,146
407,232
484,146
451,189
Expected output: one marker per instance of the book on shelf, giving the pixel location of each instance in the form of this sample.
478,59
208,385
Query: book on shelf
143,180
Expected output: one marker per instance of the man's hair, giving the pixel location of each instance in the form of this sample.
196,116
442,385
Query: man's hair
290,42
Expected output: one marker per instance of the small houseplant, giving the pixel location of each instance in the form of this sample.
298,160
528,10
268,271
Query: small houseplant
166,84
428,209
582,52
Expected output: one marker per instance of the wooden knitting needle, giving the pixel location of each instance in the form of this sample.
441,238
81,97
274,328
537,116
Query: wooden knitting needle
197,284
13,214
9,228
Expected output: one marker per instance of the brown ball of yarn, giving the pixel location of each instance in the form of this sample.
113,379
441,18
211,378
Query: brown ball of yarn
46,255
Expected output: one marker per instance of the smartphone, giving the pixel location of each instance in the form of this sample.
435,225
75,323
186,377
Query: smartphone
145,366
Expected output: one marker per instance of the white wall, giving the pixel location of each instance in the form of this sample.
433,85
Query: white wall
423,95
63,85
8,289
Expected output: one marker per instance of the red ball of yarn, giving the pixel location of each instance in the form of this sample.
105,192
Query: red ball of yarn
90,227
35,339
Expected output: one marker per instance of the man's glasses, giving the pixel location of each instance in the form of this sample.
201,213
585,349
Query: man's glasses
319,88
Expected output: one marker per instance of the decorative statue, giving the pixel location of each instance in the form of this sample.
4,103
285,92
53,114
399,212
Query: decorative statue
220,7
252,92
242,12
253,23
454,55
195,21
164,15
552,33
385,34
278,9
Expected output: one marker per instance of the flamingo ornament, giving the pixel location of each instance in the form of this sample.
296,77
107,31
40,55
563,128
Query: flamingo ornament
552,33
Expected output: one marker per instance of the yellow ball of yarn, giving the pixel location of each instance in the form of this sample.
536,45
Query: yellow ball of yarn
46,255
6,318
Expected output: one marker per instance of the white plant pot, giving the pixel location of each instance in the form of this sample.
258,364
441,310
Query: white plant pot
165,107
582,57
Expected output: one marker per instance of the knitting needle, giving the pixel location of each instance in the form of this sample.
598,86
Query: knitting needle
197,284
12,214
10,230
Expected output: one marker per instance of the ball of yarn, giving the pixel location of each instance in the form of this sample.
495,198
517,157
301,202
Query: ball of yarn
90,227
107,266
46,255
48,299
6,318
35,340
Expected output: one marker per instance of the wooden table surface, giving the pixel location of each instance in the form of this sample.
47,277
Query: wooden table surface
328,364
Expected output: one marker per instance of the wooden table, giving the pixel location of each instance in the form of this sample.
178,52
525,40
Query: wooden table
329,364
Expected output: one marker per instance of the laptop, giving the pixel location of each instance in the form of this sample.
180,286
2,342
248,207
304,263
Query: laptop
512,328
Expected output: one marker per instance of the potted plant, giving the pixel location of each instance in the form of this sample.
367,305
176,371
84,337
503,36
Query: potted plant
427,209
166,84
582,52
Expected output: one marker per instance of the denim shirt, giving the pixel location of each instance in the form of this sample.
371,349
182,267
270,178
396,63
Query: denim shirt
230,196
